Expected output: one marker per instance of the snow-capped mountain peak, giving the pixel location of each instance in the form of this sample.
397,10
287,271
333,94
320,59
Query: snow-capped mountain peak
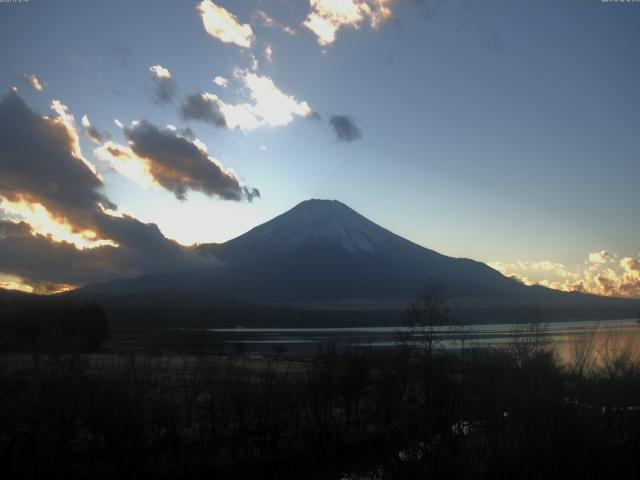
319,222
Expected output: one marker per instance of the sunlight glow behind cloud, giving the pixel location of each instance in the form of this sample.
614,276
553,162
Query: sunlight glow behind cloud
223,25
271,107
328,16
165,158
34,82
42,222
124,161
67,120
12,282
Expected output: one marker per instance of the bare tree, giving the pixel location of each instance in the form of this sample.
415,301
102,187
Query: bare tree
580,354
426,314
530,340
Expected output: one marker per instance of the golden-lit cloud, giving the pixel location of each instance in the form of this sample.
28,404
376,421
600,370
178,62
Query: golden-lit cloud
268,21
57,227
34,82
92,132
224,25
124,161
43,223
168,159
599,257
601,274
67,120
328,16
13,282
41,163
270,106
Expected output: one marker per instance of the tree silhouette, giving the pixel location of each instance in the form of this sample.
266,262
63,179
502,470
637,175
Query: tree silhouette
428,312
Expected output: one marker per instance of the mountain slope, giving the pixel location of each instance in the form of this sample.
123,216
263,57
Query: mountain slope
322,251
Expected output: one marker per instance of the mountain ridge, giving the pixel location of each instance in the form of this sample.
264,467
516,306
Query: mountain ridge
322,252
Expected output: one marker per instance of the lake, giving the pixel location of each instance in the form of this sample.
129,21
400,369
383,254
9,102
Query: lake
265,340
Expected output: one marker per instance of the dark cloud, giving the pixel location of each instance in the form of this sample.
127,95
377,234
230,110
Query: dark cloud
179,165
92,132
39,163
37,259
187,133
94,135
345,128
199,107
14,229
164,87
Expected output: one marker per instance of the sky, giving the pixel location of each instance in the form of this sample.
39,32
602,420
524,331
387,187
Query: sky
506,132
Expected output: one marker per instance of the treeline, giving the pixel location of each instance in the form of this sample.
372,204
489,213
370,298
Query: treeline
405,413
46,323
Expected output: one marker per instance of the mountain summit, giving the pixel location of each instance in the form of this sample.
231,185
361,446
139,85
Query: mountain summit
319,223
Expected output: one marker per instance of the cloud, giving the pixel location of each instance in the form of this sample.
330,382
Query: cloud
94,135
270,106
41,162
221,81
32,80
159,71
268,53
35,260
223,25
328,16
289,31
270,22
167,159
600,275
345,128
599,257
57,227
43,222
164,86
201,107
124,161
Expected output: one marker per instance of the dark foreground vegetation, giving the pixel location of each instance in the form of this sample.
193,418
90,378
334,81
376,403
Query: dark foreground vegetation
406,413
34,323
70,408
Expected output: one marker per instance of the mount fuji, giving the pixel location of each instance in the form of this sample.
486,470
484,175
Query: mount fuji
321,254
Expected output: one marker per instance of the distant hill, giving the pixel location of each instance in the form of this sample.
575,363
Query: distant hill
322,255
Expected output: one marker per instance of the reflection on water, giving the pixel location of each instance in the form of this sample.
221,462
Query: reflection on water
572,339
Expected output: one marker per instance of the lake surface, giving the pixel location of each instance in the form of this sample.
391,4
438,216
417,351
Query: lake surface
265,340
